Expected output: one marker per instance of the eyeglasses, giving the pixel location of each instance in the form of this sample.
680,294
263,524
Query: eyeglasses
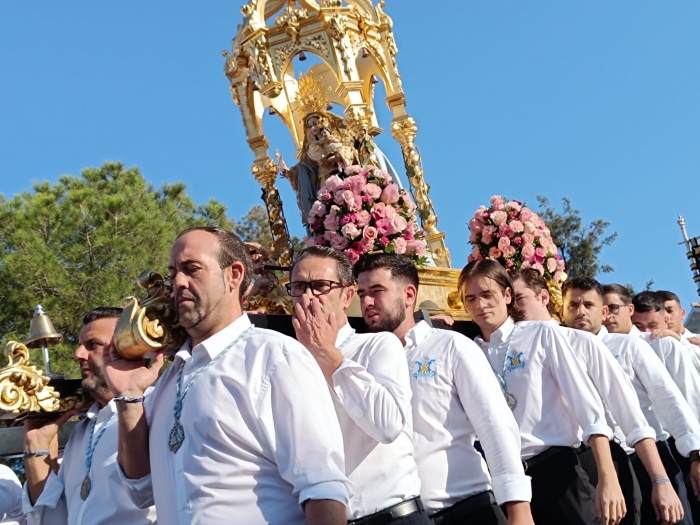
614,308
320,287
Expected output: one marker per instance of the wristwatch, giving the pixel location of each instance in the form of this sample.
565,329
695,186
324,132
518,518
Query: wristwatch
694,456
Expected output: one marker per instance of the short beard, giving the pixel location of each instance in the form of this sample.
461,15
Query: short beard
96,387
391,322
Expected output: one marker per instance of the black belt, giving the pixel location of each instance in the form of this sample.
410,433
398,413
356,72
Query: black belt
462,509
405,508
544,456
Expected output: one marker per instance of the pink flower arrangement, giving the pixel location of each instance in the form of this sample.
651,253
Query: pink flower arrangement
365,212
515,236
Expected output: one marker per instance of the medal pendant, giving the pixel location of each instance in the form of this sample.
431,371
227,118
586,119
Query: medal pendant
85,487
511,401
177,436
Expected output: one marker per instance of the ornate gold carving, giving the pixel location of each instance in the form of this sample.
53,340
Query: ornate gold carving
149,324
267,292
290,19
555,295
24,388
331,3
312,96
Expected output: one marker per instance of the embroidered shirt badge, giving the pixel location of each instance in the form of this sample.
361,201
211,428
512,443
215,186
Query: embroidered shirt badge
424,368
516,362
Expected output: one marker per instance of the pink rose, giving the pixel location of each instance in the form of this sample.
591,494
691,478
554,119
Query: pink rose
333,184
509,263
315,240
324,195
350,217
545,241
356,203
318,210
351,170
331,222
473,237
551,264
476,225
400,245
373,190
527,251
316,224
558,276
529,227
408,201
338,197
384,241
339,243
390,194
357,247
408,232
478,214
505,230
370,233
539,255
363,218
560,264
350,231
526,264
528,238
378,210
335,210
389,212
494,253
348,198
497,203
383,227
417,246
517,226
525,214
475,255
499,217
486,239
489,230
518,241
353,256
552,250
537,266
503,242
356,184
508,252
368,245
398,223
514,205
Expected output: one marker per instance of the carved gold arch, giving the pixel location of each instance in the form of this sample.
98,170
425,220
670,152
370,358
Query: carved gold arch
354,40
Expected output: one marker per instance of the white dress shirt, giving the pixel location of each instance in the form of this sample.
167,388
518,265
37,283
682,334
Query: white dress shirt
554,394
693,348
108,501
456,397
662,403
372,397
10,496
261,436
613,385
678,360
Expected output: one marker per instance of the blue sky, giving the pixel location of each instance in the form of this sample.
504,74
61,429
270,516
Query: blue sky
598,101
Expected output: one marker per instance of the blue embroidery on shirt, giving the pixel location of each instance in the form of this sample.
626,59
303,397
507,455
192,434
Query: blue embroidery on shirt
424,368
516,362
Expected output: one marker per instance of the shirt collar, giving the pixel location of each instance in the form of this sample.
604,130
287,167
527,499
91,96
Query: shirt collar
603,332
344,332
220,340
417,334
95,409
501,334
635,331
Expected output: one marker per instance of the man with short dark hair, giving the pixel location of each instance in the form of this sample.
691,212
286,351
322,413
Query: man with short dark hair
674,319
455,397
85,489
240,428
618,300
368,381
663,404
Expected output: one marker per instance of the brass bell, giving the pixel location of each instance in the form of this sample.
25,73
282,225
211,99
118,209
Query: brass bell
42,331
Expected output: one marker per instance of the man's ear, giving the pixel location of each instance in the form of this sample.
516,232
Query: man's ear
605,311
234,276
544,296
410,294
347,294
508,295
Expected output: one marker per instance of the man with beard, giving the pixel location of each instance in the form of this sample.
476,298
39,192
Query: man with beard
228,434
455,397
85,489
368,381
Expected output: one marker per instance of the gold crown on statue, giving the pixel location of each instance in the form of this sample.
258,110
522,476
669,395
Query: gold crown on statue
311,95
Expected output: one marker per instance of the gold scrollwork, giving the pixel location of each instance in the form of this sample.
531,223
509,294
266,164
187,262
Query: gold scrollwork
265,173
23,387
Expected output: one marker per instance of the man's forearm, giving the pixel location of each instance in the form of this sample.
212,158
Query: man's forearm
38,468
134,456
600,446
325,512
649,456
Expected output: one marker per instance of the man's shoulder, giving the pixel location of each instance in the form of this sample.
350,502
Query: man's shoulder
378,341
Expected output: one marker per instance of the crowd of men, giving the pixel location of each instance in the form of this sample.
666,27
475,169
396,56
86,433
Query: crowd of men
591,422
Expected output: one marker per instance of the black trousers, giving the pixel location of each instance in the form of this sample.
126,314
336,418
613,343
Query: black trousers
561,490
625,476
480,509
684,464
675,475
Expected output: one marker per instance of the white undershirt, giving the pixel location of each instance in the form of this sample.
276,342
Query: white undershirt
456,397
372,398
554,394
10,496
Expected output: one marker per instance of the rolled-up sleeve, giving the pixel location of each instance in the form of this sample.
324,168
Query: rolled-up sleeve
140,490
297,415
375,398
50,508
574,383
483,402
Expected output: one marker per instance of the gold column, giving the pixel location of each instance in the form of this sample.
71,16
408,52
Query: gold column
265,172
404,130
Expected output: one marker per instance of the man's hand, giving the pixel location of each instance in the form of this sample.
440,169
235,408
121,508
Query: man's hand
666,504
695,478
40,433
609,501
126,377
318,334
694,341
519,513
665,332
447,319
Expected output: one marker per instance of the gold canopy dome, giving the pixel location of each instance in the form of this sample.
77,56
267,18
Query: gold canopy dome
355,42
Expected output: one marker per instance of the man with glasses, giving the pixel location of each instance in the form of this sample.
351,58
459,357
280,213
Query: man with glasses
368,379
620,309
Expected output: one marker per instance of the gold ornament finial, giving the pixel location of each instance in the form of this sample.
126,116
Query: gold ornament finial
311,95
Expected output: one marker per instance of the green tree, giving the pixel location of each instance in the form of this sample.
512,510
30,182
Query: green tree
254,226
81,242
579,244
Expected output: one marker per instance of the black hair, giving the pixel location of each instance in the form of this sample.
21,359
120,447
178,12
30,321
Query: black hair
343,266
102,312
